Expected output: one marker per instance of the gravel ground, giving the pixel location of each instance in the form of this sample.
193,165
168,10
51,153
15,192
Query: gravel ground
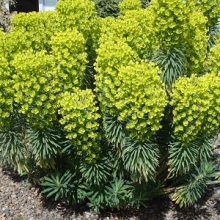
19,200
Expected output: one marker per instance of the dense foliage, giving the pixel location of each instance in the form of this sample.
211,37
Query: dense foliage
114,106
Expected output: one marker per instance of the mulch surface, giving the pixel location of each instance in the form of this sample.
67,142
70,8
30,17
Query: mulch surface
19,200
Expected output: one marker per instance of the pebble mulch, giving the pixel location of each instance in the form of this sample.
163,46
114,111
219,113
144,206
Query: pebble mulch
21,201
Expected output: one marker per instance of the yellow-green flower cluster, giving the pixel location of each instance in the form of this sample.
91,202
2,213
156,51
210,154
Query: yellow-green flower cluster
213,114
140,99
213,62
169,19
196,42
5,45
179,24
129,5
75,14
145,39
210,8
135,28
11,43
35,86
79,118
6,94
130,89
32,30
68,49
80,15
106,24
196,106
112,55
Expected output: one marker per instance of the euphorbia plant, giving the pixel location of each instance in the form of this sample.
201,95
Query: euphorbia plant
113,111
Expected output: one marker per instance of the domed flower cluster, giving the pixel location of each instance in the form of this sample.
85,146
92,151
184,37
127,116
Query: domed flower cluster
112,55
135,27
196,106
35,86
75,14
140,99
169,19
32,30
68,49
210,8
128,5
178,24
213,62
6,94
79,15
129,88
80,120
196,42
211,124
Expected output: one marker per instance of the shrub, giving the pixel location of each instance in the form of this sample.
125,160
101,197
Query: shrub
112,8
107,8
113,111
